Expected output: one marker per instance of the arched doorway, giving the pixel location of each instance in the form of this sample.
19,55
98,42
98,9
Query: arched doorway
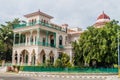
24,57
51,56
42,57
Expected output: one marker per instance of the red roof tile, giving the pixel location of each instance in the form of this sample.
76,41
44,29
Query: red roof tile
103,16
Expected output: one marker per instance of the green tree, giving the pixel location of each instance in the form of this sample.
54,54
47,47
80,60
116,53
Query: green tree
6,38
98,44
63,61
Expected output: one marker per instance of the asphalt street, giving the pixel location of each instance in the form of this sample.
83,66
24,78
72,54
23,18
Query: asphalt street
5,76
14,77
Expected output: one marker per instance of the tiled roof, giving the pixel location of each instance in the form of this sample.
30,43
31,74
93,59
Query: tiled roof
103,16
38,13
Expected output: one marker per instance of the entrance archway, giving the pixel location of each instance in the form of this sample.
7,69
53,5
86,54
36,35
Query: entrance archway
42,56
24,57
51,56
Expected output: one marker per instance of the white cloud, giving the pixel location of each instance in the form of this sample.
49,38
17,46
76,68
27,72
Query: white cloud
80,13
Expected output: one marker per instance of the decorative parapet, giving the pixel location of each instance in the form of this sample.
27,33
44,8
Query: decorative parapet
38,23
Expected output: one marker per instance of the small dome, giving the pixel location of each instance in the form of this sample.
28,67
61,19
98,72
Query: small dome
102,20
103,16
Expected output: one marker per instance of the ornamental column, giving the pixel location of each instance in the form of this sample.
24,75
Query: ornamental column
38,36
14,38
19,38
54,39
70,55
26,43
47,33
36,59
18,57
30,38
29,59
13,58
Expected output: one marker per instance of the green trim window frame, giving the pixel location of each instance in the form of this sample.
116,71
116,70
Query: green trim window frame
60,40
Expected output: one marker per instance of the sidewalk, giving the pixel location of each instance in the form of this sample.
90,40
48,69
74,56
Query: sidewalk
71,75
67,76
65,73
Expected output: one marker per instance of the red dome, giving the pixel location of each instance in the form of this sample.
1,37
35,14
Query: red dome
103,16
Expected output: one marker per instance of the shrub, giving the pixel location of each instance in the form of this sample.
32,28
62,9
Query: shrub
63,61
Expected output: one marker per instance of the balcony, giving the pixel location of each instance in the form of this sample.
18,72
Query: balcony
46,44
36,43
38,23
61,46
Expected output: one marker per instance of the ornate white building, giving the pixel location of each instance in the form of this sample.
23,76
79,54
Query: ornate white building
37,40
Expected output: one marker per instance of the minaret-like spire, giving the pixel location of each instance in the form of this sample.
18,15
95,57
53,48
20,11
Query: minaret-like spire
38,10
103,11
103,14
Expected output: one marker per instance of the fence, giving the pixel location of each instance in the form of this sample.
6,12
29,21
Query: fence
71,70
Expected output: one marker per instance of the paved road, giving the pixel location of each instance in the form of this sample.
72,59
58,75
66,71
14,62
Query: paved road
14,77
55,77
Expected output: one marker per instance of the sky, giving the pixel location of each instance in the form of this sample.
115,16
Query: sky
75,13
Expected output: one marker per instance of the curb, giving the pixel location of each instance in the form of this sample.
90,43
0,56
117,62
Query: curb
61,76
70,76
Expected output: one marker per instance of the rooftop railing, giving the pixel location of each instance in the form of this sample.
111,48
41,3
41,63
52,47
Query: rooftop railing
39,23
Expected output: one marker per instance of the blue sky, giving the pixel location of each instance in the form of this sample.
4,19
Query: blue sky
76,13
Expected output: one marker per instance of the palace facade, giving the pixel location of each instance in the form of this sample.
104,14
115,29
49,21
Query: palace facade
37,40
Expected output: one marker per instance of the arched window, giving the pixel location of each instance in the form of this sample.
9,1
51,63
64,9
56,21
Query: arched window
32,39
44,21
60,40
51,59
32,21
43,41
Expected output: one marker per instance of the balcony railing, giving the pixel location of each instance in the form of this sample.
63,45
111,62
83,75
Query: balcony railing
36,43
46,44
61,46
39,23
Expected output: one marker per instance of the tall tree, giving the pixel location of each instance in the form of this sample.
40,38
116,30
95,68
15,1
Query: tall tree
98,44
6,38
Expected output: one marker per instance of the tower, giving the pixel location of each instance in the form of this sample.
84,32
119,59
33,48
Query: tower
102,20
